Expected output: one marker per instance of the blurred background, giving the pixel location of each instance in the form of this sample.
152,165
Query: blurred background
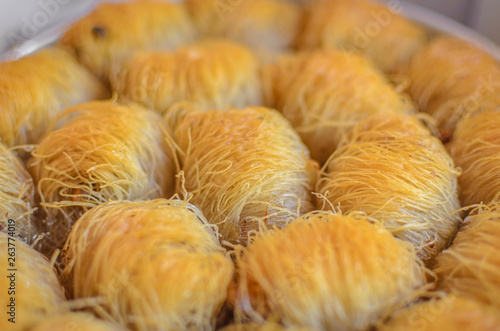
26,19
480,15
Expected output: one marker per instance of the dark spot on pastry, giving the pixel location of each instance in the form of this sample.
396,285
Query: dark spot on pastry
446,136
99,32
76,51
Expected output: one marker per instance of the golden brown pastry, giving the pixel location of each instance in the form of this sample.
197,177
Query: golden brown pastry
151,265
324,93
475,148
73,321
266,326
243,168
261,24
405,180
328,272
368,27
446,314
35,88
451,78
17,196
110,34
105,151
390,126
471,266
29,284
211,74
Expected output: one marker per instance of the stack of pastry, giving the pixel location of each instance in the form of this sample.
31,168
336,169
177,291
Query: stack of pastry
250,165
